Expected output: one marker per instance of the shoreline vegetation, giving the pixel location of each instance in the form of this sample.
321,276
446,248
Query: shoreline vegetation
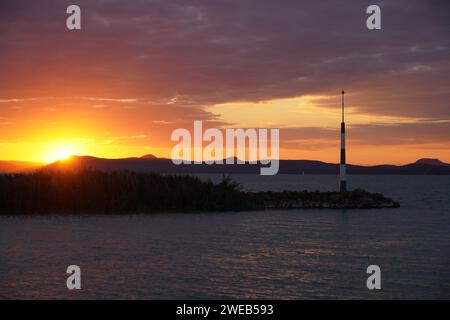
93,191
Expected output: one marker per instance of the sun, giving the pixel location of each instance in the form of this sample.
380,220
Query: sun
52,151
60,154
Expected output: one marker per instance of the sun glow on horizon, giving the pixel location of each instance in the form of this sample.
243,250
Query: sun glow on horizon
59,150
309,130
60,154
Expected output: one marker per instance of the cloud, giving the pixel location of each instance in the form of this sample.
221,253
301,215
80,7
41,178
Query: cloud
162,122
222,51
14,100
175,60
111,99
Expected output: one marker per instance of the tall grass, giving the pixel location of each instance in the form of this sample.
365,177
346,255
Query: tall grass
91,191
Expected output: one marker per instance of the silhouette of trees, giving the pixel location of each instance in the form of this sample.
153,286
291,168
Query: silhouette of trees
96,191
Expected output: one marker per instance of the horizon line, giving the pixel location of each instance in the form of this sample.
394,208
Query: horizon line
203,162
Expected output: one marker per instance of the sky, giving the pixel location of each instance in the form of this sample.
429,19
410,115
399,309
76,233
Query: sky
139,69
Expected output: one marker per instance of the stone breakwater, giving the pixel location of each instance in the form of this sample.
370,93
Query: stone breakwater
356,199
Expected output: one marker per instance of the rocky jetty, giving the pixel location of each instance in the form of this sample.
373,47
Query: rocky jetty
356,199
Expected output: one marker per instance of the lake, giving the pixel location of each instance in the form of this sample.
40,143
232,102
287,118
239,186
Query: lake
285,254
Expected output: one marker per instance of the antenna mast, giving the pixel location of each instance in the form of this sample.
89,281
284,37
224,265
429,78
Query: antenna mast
342,167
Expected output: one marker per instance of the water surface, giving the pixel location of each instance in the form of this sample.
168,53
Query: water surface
291,254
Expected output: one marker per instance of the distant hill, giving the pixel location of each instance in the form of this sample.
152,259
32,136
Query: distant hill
149,156
151,163
434,162
19,166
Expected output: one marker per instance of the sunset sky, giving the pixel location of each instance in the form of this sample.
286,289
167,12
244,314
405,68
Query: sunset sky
140,69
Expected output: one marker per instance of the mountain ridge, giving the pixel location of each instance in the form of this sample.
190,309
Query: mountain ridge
150,163
164,165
